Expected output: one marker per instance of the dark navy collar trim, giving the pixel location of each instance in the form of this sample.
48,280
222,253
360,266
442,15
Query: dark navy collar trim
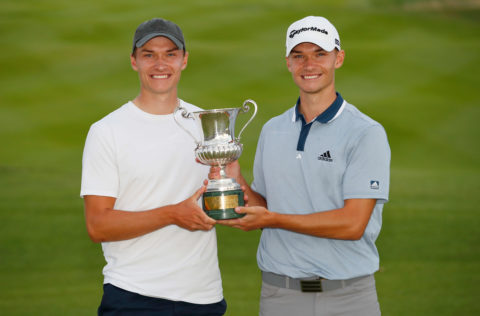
326,116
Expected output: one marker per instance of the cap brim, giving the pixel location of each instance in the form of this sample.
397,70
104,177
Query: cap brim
148,37
306,38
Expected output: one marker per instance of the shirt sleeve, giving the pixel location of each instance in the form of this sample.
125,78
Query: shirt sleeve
368,167
99,167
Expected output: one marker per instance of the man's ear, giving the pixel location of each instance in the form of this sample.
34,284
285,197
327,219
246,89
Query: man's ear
339,59
288,63
133,62
185,61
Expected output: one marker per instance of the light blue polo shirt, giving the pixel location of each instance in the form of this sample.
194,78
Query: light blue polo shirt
305,168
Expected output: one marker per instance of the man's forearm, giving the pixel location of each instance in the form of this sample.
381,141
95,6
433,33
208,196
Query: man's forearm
114,225
347,223
107,224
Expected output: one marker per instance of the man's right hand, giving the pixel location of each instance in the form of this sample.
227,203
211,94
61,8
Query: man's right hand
187,214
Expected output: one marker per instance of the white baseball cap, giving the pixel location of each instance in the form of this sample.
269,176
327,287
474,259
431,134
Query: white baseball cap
313,29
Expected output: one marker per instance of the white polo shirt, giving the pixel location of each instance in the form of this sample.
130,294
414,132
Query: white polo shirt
306,168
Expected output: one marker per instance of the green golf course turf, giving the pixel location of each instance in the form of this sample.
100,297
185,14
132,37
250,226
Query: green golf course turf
411,65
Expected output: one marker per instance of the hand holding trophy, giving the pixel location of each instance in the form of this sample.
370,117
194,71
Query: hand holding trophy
219,147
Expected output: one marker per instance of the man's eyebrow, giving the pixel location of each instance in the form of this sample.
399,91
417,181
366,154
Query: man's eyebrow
143,50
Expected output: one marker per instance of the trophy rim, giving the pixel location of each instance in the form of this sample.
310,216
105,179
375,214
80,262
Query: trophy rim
218,110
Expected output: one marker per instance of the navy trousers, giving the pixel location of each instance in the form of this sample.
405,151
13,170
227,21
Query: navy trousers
119,302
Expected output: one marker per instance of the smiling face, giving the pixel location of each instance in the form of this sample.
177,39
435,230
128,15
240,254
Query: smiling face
159,64
313,69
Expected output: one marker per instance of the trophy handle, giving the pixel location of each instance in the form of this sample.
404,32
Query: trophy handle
245,108
186,115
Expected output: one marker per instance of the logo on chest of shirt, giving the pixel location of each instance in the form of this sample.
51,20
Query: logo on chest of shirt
325,156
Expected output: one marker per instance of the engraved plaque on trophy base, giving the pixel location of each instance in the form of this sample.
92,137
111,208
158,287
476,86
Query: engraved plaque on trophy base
221,198
221,204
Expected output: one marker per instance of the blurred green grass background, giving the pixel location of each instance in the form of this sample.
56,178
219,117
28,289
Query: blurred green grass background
411,65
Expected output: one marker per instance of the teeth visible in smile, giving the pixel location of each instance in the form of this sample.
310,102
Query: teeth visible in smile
160,76
310,76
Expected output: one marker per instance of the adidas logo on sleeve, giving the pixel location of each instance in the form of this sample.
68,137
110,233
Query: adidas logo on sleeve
374,184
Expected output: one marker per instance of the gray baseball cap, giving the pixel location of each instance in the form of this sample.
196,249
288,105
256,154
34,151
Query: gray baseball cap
158,27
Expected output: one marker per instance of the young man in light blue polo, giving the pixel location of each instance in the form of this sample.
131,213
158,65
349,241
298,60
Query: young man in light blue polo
321,177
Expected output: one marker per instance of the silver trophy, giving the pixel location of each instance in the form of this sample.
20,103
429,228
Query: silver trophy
219,147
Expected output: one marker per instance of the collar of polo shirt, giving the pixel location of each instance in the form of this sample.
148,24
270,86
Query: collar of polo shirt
328,115
331,113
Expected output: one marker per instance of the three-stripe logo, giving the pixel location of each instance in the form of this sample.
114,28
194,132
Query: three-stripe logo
325,156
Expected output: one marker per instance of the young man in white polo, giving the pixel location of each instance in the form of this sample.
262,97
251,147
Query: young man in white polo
321,177
141,183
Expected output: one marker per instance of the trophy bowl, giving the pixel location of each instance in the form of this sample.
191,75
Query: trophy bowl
218,146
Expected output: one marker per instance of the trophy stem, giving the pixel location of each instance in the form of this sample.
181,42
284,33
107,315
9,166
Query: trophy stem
223,173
